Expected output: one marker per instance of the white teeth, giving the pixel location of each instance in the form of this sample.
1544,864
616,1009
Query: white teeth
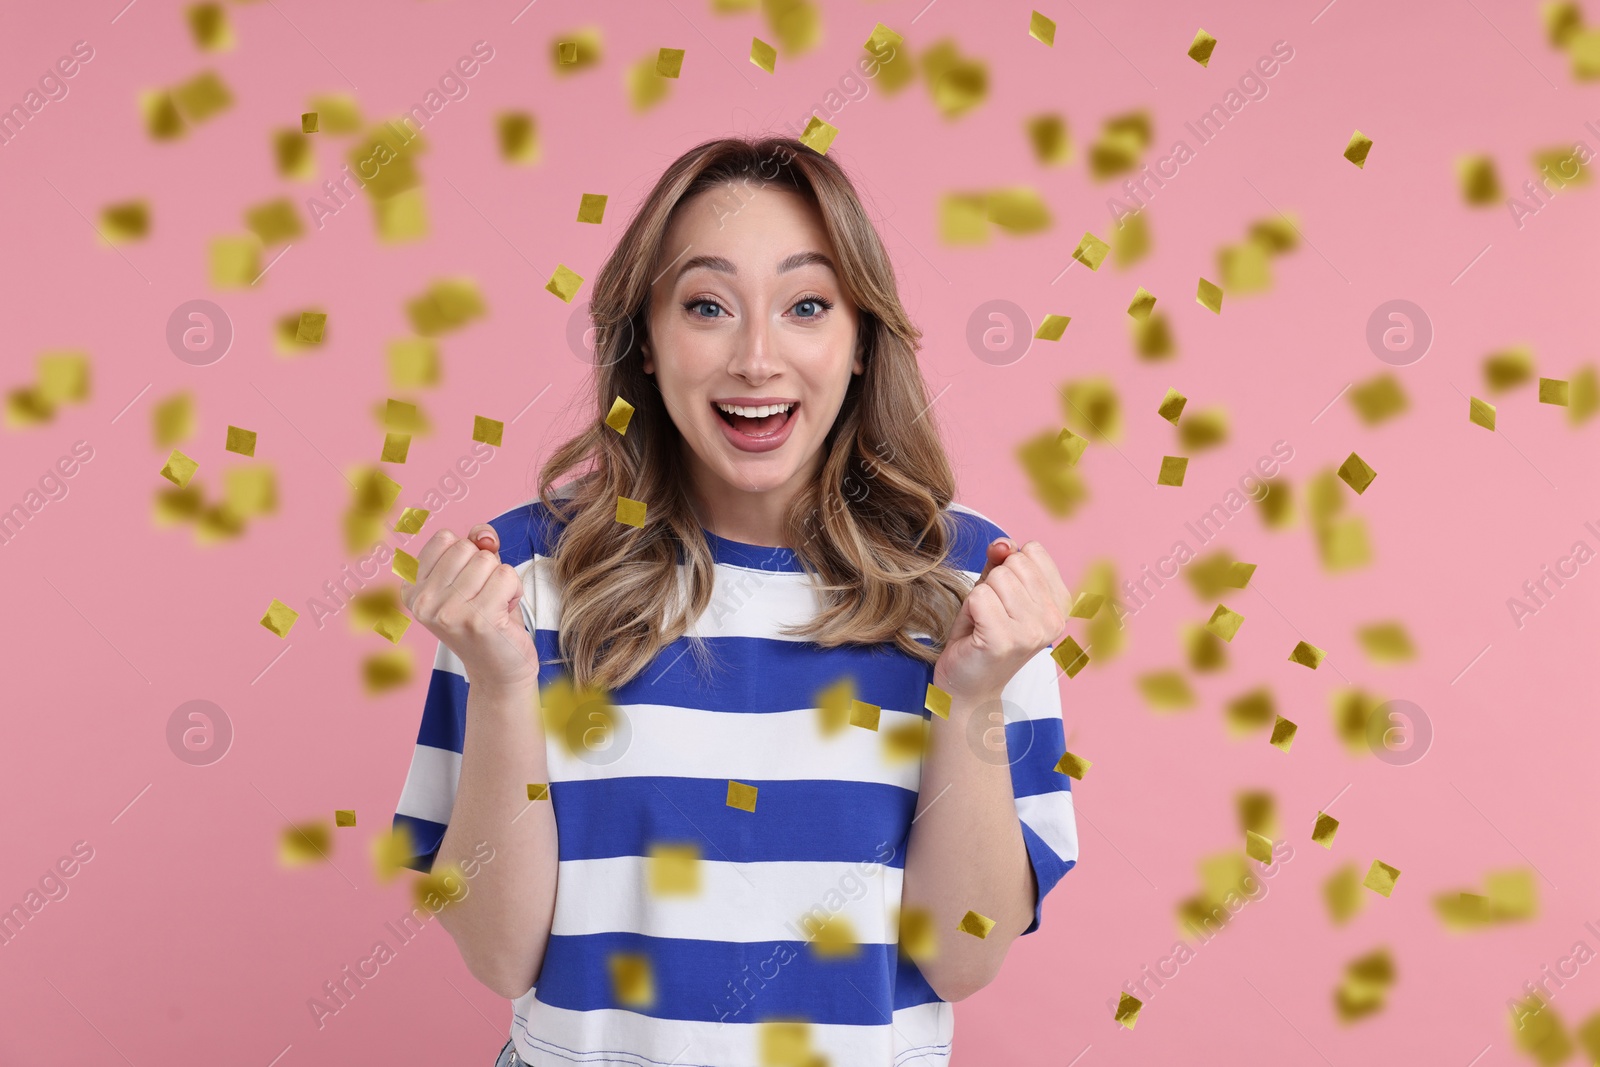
755,412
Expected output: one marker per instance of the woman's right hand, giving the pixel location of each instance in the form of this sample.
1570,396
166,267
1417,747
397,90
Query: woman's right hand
471,602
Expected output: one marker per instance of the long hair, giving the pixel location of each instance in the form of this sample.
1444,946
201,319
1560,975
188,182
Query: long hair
872,530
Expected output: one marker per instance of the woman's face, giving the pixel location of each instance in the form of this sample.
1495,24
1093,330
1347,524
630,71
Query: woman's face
747,308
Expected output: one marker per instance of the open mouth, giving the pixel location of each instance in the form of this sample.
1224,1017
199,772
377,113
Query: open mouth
762,427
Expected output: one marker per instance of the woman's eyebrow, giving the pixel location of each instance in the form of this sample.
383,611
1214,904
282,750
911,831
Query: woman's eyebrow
726,266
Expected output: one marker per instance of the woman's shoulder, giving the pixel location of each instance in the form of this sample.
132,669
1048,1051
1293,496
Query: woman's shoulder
973,532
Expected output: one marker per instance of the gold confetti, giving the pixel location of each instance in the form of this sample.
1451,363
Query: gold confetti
1209,296
395,447
619,415
1019,210
1355,473
179,469
1283,732
631,511
763,55
669,62
1042,29
413,362
1244,268
1326,826
437,889
404,566
308,122
787,1043
1075,766
306,843
241,441
1356,151
1225,622
906,742
62,377
976,925
956,83
274,221
1086,605
1258,813
675,869
124,222
1048,135
741,796
210,27
1538,1031
1386,642
517,132
235,261
564,283
1507,369
1307,655
1552,391
336,113
1257,847
202,96
1203,429
411,520
1130,241
918,937
312,323
1166,690
1381,878
1128,1010
1562,19
401,217
592,207
1249,711
1480,185
1091,251
344,817
1052,327
1069,656
576,51
1481,413
937,701
393,626
488,431
1365,986
818,135
1341,891
1201,47
834,937
1172,470
864,715
1143,303
1207,651
446,305
1378,399
161,119
1072,446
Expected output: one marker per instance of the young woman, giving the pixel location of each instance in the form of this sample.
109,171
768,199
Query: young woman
800,843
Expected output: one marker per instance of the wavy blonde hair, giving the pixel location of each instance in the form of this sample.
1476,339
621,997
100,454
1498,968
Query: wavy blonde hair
872,529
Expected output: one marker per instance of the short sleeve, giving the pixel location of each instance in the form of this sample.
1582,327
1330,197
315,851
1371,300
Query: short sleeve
430,789
1035,741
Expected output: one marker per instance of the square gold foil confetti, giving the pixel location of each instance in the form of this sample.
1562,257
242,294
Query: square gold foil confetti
1206,651
1386,642
1563,164
1142,304
1172,470
1069,656
1225,622
937,701
763,55
312,323
1258,813
396,446
411,520
834,937
413,362
1249,711
393,626
308,122
446,305
1018,210
1128,1010
1130,241
1381,878
1201,47
1324,830
404,566
1378,399
1283,732
1086,605
1584,48
1237,574
1152,337
62,377
437,889
1049,138
975,924
1481,413
1091,251
818,135
1480,185
1166,690
1307,655
741,796
564,283
864,715
1355,473
1356,151
632,980
1341,891
1257,847
1042,29
1209,296
488,431
1172,406
306,843
1244,268
209,25
124,222
235,261
592,208
787,1043
1507,369
906,742
291,150
202,96
631,511
538,791
344,817
1562,20
399,415
161,119
918,938
179,468
241,441
1052,327
964,218
1552,391
1203,429
1072,446
675,869
279,618
620,414
517,133
1074,766
401,217
274,221
669,62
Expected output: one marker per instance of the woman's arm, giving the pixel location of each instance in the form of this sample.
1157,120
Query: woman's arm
502,923
966,853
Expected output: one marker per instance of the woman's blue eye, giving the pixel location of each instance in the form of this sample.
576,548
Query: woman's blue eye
821,305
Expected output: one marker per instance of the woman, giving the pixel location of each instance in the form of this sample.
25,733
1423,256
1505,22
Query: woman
743,861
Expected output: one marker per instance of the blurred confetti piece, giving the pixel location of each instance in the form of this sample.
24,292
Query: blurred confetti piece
1341,891
1052,147
1365,986
1203,429
1201,47
209,25
448,304
291,149
279,618
235,261
1539,1032
1381,878
1307,655
62,377
1377,399
1356,151
309,842
919,939
675,869
1480,185
517,133
1130,241
1507,369
1166,690
392,851
1072,446
161,119
1250,711
1283,732
202,96
439,887
1386,642
126,221
274,221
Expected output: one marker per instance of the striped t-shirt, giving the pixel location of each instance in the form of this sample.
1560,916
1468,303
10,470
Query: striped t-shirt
822,852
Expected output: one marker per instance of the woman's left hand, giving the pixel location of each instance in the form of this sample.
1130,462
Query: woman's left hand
1017,607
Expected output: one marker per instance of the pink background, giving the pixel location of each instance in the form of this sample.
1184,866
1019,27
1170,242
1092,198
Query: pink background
184,938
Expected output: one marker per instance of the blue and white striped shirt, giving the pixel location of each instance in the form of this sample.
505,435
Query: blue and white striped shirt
825,845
